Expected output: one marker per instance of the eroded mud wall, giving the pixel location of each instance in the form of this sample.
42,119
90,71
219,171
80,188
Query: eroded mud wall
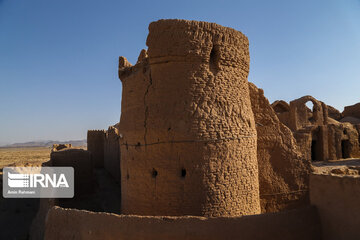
283,173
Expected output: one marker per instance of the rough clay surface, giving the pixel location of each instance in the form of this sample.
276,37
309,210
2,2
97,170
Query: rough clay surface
188,143
283,174
336,197
300,224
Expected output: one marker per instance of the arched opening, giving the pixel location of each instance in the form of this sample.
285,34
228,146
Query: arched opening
310,105
310,108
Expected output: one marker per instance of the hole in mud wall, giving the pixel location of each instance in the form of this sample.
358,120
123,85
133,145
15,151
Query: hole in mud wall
138,146
345,149
154,173
313,150
214,59
345,131
183,172
310,105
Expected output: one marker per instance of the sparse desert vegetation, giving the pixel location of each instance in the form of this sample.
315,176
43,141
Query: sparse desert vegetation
33,156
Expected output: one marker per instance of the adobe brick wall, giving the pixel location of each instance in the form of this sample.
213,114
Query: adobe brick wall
112,153
189,137
337,200
301,224
95,144
81,161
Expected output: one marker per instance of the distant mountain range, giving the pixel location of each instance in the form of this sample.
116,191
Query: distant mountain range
49,143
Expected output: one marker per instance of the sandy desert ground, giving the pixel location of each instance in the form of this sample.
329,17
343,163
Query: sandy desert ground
33,156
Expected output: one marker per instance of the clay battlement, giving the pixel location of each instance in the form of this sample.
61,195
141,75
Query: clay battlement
97,130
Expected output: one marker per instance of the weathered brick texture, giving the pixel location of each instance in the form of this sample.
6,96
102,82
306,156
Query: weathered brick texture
188,137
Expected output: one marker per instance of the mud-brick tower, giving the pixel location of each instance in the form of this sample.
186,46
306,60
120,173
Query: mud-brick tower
187,131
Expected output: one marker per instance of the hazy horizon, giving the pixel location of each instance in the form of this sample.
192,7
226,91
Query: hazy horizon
42,140
58,61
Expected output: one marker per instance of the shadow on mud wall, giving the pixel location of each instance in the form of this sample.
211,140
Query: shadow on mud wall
16,215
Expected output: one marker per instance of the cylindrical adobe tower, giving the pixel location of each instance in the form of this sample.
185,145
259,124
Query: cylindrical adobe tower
187,131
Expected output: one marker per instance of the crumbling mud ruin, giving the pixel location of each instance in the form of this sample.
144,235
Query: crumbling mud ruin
200,153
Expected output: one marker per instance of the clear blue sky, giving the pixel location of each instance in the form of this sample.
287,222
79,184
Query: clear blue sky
58,59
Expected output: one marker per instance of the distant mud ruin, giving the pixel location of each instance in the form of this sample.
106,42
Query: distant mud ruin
322,133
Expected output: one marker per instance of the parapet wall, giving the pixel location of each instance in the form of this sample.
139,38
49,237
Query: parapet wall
189,137
301,224
95,145
337,200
